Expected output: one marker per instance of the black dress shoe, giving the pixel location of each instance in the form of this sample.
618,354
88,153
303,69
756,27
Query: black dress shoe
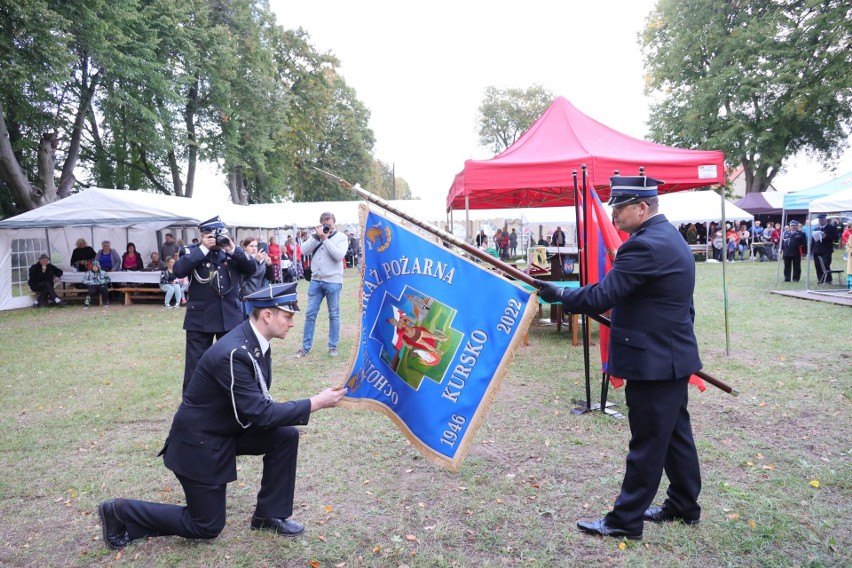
600,528
664,515
284,527
114,530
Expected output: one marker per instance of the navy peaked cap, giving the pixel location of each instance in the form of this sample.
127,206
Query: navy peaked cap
211,225
282,296
626,189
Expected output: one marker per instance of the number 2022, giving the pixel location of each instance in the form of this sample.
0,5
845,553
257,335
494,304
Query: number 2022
449,437
510,314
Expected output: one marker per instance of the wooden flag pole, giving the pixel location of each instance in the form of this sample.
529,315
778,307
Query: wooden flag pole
475,252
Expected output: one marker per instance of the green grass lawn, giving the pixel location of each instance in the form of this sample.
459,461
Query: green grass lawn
87,396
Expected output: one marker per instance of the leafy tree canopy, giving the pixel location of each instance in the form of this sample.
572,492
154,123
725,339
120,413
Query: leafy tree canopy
132,94
506,114
759,79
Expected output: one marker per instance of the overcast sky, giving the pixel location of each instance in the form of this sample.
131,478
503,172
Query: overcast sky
422,69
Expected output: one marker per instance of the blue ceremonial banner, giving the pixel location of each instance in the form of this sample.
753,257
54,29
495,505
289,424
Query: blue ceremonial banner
437,333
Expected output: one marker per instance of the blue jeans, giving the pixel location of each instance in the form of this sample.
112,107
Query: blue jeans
316,292
172,290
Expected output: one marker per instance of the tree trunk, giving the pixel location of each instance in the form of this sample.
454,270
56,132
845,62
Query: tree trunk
237,186
46,167
104,170
25,195
755,182
67,179
192,151
151,174
177,183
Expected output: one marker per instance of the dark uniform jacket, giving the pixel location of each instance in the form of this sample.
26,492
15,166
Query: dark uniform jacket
649,290
826,245
224,399
793,243
214,302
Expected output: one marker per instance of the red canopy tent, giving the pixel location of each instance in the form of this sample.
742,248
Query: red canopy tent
536,171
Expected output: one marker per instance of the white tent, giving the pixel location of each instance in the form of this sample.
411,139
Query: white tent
699,207
840,201
122,216
307,214
94,215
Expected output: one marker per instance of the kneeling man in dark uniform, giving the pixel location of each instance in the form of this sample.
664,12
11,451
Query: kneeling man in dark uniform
227,411
653,347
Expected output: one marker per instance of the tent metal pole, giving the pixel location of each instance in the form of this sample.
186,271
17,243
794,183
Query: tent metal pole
810,253
467,218
778,256
587,335
586,405
725,275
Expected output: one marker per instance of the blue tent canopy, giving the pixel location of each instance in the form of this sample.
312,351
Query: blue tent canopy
802,199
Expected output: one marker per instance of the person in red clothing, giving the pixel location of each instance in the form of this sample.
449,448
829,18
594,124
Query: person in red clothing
274,252
132,260
294,253
504,246
847,232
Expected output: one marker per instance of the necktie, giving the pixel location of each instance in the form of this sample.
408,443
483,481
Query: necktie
268,370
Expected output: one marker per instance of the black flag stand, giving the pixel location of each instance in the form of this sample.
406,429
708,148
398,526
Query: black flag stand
584,406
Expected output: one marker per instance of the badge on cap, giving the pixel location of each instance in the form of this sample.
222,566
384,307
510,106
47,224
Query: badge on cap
627,189
281,296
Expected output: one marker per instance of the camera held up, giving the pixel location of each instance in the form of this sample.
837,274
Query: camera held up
326,229
222,239
217,228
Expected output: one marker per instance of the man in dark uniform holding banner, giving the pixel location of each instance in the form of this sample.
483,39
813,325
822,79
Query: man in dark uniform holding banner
214,267
227,411
653,347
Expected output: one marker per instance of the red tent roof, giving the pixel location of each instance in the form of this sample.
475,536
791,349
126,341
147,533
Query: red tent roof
536,171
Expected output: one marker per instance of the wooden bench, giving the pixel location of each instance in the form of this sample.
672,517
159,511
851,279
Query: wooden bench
73,294
698,251
132,294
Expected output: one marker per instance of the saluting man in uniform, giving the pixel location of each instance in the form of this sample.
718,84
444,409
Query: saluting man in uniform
653,347
214,267
227,411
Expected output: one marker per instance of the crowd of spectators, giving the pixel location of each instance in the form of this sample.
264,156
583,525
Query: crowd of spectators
504,244
767,242
277,263
736,241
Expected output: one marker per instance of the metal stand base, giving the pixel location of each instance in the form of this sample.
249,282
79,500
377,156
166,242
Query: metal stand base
583,408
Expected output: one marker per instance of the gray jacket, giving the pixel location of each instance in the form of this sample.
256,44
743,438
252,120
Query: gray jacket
327,260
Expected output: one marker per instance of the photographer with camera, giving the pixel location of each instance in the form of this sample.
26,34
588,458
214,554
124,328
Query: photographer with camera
328,248
214,267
